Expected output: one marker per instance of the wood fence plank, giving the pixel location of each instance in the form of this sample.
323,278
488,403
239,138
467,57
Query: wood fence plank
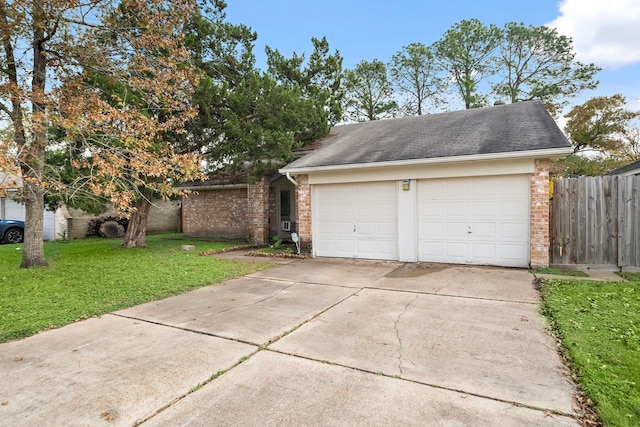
610,232
573,219
596,221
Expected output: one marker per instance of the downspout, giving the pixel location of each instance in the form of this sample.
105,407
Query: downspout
293,181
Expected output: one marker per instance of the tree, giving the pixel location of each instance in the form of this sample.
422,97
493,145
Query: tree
466,52
629,149
120,110
249,121
538,63
599,124
38,40
319,81
369,94
579,165
417,74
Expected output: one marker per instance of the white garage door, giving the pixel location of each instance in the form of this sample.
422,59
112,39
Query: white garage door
15,210
481,220
356,220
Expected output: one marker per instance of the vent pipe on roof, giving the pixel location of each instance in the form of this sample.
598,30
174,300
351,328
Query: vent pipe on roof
499,102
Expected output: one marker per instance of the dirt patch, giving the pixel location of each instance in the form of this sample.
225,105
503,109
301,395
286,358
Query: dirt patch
415,270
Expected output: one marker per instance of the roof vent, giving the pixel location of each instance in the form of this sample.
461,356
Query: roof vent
499,102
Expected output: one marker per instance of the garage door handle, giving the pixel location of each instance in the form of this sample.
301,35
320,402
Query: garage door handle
354,228
469,230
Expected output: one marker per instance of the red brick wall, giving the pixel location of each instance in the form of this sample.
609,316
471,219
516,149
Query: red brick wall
258,212
303,212
540,214
215,213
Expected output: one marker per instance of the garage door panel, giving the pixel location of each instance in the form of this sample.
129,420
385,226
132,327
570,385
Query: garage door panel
342,228
483,209
456,251
513,209
431,249
431,230
457,209
483,251
387,230
483,230
328,211
431,209
513,232
455,188
365,225
366,229
494,209
456,230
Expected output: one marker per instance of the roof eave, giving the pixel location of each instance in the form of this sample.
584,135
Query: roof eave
550,153
213,187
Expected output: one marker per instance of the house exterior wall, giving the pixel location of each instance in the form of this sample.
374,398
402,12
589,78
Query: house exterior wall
258,212
303,212
164,216
539,240
436,170
215,213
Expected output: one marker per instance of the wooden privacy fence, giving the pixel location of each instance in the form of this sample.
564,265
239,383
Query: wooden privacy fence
595,222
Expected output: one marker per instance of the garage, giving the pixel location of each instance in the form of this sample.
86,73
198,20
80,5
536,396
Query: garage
479,220
463,187
356,220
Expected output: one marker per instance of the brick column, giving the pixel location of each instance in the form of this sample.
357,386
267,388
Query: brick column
539,243
303,213
258,211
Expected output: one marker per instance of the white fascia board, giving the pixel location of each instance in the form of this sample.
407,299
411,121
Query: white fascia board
213,187
552,153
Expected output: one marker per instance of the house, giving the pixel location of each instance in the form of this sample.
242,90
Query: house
468,187
70,223
627,170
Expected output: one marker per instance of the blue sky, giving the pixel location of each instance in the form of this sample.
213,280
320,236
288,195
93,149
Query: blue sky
604,32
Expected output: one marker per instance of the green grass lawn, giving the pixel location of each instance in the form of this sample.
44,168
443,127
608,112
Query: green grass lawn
90,277
599,325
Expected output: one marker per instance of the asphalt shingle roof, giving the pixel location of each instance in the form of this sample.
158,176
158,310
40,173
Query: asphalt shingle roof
627,168
522,126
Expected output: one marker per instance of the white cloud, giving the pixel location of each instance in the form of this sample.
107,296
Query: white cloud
603,32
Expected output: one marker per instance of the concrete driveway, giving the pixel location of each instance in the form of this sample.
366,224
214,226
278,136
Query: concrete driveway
310,342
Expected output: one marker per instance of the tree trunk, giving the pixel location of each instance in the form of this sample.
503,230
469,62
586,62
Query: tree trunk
33,251
33,165
137,231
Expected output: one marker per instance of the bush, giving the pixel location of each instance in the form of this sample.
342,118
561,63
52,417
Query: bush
106,226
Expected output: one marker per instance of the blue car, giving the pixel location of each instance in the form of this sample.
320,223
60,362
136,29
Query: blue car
11,231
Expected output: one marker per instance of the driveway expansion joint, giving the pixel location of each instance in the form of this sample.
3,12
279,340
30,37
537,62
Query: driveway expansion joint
373,288
546,411
180,328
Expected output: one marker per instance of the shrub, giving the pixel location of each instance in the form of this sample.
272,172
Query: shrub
106,226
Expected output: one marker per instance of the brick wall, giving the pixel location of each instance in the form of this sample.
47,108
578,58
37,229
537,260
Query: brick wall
303,212
215,213
540,214
258,211
164,216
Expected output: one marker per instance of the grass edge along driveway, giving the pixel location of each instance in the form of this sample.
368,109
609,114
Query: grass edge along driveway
599,326
90,277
